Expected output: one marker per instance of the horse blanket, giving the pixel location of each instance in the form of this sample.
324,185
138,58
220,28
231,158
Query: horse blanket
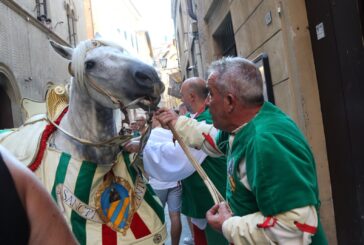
102,203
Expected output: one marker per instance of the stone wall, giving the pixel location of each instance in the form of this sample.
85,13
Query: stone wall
26,58
286,41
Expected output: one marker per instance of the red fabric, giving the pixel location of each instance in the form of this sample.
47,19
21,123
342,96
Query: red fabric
43,142
138,227
109,236
306,228
202,109
199,236
209,139
267,223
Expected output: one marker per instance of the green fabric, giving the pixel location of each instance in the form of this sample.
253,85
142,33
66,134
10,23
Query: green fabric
136,134
319,238
214,237
149,195
82,191
280,167
60,172
196,199
2,131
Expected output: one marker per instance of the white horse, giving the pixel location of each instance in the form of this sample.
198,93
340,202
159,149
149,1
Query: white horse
76,153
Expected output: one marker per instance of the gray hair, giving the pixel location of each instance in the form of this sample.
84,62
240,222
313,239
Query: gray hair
239,77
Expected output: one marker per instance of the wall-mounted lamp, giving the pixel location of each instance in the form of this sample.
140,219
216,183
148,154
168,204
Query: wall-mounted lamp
163,62
190,68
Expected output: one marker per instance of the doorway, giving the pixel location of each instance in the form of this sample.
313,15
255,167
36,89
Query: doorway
336,29
6,118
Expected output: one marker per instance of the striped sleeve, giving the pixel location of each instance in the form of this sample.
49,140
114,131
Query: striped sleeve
198,135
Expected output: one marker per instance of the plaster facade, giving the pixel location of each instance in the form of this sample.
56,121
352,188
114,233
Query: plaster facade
27,61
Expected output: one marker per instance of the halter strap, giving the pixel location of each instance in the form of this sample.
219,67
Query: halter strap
102,91
118,140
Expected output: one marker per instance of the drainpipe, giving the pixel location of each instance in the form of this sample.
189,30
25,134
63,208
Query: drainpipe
190,10
195,38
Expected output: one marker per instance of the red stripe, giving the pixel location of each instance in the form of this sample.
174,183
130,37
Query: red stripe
199,236
209,139
202,109
43,142
138,227
306,228
109,236
267,223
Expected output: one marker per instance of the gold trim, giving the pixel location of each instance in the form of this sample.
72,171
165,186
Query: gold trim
56,101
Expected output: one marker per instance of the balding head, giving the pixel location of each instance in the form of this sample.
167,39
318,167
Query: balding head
197,86
194,93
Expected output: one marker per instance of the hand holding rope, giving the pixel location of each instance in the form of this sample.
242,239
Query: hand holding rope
215,194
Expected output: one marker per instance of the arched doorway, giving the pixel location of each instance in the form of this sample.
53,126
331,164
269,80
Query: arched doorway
10,97
6,118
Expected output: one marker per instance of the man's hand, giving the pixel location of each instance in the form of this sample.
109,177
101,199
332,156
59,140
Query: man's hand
131,146
218,214
166,116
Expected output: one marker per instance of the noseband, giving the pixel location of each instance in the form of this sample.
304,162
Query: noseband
118,140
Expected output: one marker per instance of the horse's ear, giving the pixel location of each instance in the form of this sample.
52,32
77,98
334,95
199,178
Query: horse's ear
64,51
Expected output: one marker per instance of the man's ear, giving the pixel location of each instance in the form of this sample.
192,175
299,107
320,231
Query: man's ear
192,96
230,101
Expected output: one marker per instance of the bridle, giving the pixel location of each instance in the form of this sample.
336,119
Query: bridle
117,140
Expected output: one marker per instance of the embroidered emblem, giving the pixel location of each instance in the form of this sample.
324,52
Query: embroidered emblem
231,174
115,203
65,196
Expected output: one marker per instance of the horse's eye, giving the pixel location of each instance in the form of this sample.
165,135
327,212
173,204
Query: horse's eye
89,65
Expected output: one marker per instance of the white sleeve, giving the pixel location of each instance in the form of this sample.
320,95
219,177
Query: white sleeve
166,161
195,134
284,228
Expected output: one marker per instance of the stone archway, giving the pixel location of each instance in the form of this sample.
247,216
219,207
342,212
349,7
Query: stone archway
10,97
6,119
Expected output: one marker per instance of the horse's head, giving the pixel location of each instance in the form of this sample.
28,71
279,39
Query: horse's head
110,75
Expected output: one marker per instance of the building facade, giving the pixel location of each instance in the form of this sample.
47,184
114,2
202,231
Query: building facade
124,26
166,62
27,61
312,54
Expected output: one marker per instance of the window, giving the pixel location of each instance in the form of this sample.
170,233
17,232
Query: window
263,64
41,8
71,23
225,39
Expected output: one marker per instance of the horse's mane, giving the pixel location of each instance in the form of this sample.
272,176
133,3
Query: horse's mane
79,55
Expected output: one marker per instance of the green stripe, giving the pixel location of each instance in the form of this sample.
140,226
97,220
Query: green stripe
61,172
82,191
150,199
149,193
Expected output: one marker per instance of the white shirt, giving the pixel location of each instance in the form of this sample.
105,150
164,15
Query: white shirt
165,160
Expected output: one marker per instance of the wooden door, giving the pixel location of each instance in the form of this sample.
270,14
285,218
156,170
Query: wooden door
336,28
